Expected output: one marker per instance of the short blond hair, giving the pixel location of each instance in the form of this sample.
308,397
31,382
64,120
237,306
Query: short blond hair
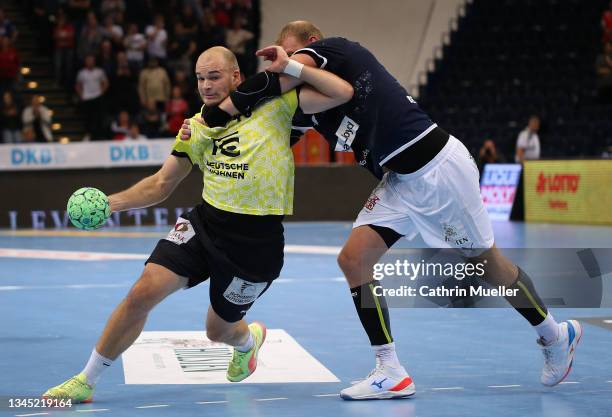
301,29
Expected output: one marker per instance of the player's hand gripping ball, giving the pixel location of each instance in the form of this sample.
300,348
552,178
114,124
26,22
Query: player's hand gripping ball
88,208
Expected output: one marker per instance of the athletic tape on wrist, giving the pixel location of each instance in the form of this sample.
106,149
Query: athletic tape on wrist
294,68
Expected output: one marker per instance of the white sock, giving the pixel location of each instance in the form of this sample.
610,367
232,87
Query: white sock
386,355
248,345
548,329
95,366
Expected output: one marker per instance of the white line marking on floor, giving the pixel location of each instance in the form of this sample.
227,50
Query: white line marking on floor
326,395
569,382
33,414
607,321
309,279
446,388
504,386
313,250
69,255
65,255
153,406
271,399
80,233
56,287
212,402
95,410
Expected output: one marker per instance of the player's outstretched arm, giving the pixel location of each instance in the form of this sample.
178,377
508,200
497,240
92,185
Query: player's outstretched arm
264,85
276,80
153,189
327,89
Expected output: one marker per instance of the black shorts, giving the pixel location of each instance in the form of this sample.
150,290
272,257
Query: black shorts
241,254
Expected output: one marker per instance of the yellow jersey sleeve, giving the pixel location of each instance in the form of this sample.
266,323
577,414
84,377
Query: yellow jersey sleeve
184,146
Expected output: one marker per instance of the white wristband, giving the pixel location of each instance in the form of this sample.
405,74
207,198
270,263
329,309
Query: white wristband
293,68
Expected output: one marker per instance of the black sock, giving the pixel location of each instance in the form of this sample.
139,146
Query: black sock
373,313
527,301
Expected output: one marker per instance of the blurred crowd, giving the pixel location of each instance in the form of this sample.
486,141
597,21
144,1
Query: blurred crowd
128,64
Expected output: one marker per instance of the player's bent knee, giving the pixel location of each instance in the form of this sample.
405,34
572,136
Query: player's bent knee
145,294
348,262
140,299
216,334
134,307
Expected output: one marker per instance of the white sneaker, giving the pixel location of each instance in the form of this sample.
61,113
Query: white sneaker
383,383
559,356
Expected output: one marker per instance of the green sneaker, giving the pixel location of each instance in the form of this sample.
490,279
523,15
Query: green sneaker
243,364
76,389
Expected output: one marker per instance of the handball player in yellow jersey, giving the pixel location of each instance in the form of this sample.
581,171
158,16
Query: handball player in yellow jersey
235,236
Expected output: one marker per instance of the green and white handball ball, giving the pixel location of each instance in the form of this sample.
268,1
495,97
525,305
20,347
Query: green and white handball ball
88,208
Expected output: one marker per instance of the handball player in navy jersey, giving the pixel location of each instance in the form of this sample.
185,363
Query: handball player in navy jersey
429,185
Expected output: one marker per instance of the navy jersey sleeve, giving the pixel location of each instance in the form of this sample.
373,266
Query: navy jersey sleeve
328,53
299,125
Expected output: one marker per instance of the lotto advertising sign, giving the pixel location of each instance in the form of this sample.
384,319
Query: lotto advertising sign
498,186
568,191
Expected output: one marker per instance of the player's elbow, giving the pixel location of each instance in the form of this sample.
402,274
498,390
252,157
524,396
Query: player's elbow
164,188
346,93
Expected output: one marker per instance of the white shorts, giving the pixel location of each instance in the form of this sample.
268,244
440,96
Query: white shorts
441,201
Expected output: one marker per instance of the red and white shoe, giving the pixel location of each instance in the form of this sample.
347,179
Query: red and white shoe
383,383
559,356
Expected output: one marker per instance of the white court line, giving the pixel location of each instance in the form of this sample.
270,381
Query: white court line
212,402
153,406
607,321
110,256
313,249
271,399
309,279
128,284
503,386
569,382
326,395
33,414
446,388
55,287
95,410
68,255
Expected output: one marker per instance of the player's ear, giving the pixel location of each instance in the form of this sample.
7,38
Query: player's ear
236,78
313,39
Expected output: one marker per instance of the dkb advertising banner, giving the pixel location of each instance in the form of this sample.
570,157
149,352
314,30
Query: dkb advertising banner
103,154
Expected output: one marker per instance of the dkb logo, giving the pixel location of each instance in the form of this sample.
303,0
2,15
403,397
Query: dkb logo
225,145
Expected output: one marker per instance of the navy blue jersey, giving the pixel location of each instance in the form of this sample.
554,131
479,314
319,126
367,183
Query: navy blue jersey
381,119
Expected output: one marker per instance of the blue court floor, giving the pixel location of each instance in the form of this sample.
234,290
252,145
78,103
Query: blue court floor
465,362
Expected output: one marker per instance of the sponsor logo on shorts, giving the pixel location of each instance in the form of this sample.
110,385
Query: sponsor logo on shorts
243,292
371,202
346,134
452,235
182,232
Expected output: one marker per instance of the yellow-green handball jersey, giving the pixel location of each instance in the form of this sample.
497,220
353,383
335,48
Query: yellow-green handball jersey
248,164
